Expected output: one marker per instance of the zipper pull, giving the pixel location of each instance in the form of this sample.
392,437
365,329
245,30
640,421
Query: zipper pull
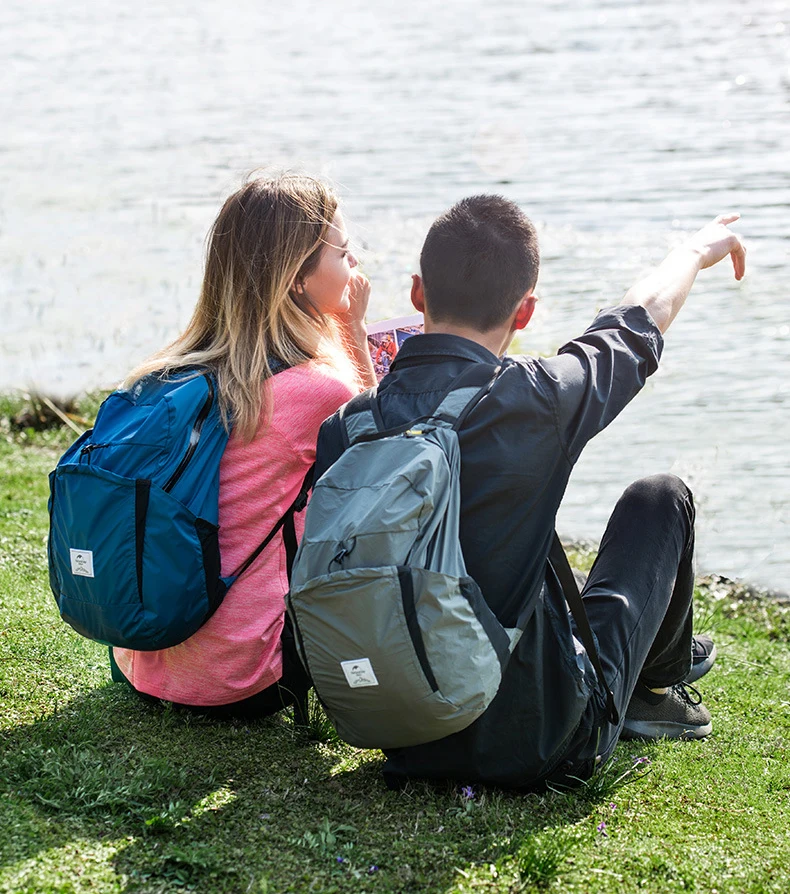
88,448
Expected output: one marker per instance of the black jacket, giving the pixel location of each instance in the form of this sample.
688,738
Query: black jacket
518,448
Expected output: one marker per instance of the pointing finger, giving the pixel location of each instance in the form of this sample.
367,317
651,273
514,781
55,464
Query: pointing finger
738,255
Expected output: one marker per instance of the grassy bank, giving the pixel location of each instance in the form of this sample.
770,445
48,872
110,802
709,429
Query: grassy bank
100,792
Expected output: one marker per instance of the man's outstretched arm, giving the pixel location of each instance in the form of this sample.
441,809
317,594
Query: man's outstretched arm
664,290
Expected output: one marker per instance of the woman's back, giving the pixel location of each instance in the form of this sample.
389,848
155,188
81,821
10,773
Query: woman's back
237,652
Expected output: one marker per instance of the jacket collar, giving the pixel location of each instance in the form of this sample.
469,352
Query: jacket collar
438,346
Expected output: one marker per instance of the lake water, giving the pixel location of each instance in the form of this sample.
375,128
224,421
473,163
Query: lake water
619,127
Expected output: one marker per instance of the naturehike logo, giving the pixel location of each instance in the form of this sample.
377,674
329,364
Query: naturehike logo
81,562
359,673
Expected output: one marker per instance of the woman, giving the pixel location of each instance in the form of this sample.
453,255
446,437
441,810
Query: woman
280,294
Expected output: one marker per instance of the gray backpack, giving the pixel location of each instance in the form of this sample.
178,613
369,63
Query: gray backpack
399,642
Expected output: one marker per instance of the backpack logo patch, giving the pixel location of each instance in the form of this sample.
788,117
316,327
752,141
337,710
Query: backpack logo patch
359,673
82,562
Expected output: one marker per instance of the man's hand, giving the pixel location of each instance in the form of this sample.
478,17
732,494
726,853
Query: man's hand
663,291
715,241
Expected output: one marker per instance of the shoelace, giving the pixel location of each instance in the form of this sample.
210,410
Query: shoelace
682,690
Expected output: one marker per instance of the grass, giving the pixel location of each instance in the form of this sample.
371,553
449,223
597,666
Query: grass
101,792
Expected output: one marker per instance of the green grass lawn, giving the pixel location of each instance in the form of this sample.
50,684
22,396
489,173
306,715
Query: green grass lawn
100,792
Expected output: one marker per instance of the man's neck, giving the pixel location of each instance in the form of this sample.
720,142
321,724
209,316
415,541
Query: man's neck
495,341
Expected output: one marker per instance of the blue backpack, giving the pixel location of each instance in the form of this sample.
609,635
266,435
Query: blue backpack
133,540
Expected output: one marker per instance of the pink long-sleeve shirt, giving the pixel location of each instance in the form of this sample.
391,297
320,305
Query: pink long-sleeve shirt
237,652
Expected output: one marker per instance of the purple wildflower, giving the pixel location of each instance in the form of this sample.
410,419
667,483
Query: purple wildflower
340,859
612,806
641,760
468,792
602,829
372,869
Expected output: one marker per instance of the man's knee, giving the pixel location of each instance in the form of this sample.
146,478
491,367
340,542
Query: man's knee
659,493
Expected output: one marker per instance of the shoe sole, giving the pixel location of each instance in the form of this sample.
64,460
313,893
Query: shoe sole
657,729
702,668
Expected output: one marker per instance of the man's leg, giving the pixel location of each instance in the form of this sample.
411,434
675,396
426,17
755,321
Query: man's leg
639,592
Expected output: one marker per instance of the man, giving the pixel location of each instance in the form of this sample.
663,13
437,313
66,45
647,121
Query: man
548,722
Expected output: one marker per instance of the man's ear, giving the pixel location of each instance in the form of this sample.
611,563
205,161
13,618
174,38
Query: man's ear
417,293
525,310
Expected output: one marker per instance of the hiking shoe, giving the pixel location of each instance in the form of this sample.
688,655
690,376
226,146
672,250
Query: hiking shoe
703,655
675,715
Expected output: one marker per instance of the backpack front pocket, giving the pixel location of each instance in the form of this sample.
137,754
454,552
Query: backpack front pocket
129,561
367,646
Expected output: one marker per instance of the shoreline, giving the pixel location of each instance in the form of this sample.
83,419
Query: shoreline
24,410
582,552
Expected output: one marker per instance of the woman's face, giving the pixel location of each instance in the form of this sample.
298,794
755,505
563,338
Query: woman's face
327,286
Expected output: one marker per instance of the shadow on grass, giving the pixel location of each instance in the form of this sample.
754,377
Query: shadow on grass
184,801
107,766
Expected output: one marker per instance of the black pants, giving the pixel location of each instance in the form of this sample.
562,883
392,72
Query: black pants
290,689
638,598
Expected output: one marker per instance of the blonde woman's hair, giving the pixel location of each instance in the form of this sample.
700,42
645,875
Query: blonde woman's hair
268,236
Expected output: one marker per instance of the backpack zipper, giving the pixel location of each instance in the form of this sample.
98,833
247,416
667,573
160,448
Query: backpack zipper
194,437
89,448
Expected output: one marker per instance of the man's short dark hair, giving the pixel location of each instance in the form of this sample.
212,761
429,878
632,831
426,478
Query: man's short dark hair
478,261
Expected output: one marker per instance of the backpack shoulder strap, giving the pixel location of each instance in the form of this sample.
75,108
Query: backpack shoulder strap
559,562
360,417
464,393
286,522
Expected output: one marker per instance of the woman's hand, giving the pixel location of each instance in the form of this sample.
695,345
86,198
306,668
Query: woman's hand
359,297
353,322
